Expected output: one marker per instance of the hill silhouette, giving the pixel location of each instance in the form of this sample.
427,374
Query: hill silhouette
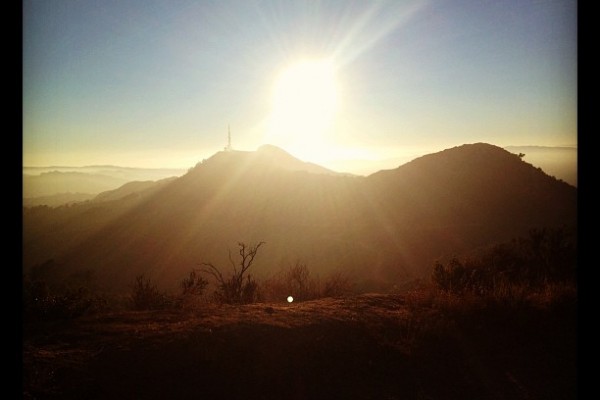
135,188
382,229
56,185
55,182
557,161
56,200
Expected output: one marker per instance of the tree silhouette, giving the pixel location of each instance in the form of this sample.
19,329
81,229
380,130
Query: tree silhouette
239,288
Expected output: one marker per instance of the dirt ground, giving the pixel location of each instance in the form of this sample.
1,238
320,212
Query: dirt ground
369,346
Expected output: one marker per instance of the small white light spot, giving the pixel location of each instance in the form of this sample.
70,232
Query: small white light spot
290,299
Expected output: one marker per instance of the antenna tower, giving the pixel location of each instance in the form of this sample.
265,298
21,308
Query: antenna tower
228,147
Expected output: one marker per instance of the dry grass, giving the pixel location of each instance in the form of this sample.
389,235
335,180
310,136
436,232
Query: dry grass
425,344
298,281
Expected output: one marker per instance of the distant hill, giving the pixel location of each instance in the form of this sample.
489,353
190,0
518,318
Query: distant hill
56,200
557,161
135,188
381,229
91,180
56,182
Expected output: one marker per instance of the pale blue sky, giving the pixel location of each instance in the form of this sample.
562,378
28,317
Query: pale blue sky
156,83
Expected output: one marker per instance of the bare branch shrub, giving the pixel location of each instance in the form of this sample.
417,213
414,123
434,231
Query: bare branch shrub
240,287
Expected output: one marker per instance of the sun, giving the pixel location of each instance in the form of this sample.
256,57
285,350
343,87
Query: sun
304,104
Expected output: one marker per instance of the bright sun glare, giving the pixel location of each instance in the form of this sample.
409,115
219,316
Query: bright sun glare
304,102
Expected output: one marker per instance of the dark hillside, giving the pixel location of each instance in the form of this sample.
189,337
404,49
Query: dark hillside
471,195
385,228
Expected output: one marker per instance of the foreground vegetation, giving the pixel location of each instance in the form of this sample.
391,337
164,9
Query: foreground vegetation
529,266
425,344
500,324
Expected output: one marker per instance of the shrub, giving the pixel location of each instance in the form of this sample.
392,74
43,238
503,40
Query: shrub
146,296
451,277
193,285
337,284
299,284
507,270
192,290
240,287
40,302
295,281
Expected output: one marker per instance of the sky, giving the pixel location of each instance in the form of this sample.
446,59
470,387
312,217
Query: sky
346,84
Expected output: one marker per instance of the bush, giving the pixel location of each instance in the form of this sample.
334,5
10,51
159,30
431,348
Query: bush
295,281
40,302
239,288
337,284
544,257
193,285
232,291
298,282
192,290
146,296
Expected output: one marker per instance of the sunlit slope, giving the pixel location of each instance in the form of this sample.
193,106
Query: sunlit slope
383,228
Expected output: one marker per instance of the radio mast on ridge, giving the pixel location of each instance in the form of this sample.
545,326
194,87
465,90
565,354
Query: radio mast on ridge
228,147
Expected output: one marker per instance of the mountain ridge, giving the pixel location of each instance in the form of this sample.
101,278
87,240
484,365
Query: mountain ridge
383,228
